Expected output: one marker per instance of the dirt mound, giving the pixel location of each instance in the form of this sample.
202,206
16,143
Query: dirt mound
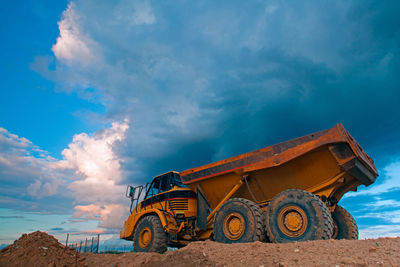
371,252
38,249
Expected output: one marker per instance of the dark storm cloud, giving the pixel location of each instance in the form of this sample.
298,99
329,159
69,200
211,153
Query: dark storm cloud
272,94
204,81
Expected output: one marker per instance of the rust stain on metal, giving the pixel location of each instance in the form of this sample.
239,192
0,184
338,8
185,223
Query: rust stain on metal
278,154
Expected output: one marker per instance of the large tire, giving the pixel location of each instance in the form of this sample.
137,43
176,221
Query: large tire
239,221
345,226
149,236
297,215
266,237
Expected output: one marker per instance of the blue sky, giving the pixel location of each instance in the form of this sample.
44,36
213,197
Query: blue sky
97,95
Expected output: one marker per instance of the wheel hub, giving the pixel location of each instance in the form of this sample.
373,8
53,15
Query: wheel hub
292,221
234,226
144,237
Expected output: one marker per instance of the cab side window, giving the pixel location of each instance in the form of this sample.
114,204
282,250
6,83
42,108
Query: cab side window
164,184
159,185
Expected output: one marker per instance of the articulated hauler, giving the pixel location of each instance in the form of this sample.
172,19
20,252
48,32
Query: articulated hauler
282,193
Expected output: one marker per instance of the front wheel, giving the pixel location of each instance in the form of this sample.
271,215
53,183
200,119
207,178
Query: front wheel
297,215
149,235
345,226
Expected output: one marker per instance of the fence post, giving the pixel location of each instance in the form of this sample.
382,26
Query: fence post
98,240
80,246
91,244
66,241
85,245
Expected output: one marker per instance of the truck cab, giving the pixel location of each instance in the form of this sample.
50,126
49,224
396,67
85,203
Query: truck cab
167,193
169,204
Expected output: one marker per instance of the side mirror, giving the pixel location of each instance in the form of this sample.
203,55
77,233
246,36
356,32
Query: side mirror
130,191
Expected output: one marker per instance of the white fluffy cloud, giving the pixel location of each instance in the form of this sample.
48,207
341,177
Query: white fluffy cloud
89,174
383,230
26,170
94,160
110,216
73,46
87,212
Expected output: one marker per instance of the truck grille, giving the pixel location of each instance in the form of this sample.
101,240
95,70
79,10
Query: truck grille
178,204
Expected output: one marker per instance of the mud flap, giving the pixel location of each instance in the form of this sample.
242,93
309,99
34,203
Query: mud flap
202,210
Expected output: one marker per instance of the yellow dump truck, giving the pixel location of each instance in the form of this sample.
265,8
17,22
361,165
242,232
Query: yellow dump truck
282,193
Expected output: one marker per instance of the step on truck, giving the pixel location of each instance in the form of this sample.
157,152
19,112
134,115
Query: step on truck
282,193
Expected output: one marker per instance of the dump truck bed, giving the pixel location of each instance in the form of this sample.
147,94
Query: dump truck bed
305,163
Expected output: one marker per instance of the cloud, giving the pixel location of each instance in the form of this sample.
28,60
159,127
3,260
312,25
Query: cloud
376,215
88,177
134,13
9,141
28,174
93,159
376,231
110,216
225,80
391,216
383,203
57,229
73,46
88,212
12,217
113,216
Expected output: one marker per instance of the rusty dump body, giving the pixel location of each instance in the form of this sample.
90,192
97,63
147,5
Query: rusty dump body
327,163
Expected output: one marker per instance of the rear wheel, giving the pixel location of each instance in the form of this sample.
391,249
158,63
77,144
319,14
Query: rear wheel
150,236
345,226
297,215
238,221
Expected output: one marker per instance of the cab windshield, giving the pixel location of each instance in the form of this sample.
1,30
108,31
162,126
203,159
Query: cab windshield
164,183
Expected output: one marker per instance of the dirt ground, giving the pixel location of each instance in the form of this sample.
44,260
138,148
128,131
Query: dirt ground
40,249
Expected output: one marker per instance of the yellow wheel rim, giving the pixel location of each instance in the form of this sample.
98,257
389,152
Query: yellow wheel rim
145,237
292,221
234,226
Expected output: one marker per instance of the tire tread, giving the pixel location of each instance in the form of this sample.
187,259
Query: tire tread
326,214
258,215
349,221
160,240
